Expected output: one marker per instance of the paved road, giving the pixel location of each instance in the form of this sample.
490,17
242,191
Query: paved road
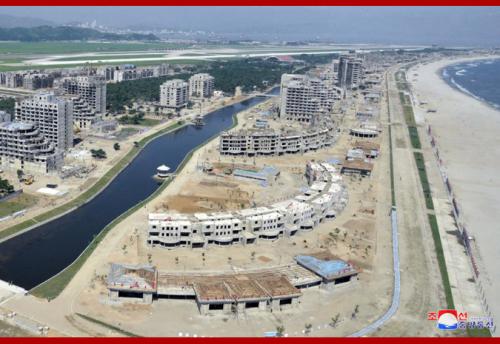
397,283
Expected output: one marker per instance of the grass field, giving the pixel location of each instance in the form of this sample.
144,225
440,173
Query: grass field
414,138
5,68
106,325
422,173
18,203
107,57
7,330
441,261
81,47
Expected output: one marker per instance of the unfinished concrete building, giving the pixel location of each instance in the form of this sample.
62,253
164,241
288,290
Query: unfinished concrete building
91,89
268,289
304,99
22,146
270,142
325,197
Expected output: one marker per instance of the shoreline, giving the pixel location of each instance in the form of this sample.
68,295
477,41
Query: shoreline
455,85
466,133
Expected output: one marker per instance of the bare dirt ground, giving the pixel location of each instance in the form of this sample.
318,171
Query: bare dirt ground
361,234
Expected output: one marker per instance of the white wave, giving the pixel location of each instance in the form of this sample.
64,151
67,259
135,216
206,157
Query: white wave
461,72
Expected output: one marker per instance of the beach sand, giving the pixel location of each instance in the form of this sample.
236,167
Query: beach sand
467,135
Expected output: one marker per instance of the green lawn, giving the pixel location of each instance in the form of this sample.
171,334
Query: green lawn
106,325
109,57
414,138
81,47
18,203
441,261
424,181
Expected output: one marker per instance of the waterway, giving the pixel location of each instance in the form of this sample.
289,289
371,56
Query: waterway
34,256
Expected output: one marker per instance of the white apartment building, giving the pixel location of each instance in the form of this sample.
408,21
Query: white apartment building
304,98
52,115
350,72
174,94
201,85
303,213
22,146
92,89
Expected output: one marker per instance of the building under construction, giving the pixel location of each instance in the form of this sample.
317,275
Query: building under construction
268,289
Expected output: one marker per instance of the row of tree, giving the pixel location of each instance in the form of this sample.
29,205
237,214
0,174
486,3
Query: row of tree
8,105
251,74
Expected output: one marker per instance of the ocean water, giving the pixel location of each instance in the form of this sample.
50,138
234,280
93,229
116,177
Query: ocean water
479,79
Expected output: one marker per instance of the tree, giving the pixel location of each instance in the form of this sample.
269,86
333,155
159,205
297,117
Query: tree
335,320
307,328
98,153
280,331
116,146
20,174
5,186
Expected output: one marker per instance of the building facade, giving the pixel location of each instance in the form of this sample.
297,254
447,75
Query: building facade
201,85
52,115
92,90
269,142
22,146
350,72
325,197
304,98
174,94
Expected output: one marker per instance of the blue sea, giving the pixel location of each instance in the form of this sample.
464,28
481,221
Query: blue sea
479,79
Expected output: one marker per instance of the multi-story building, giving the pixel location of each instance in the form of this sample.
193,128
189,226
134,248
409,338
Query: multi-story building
38,80
52,115
92,89
201,85
174,93
350,71
83,114
324,198
304,98
22,146
270,142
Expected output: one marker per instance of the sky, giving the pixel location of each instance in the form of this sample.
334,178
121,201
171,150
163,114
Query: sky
449,26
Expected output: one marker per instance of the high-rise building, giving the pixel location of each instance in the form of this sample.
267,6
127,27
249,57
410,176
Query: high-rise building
201,85
303,98
52,115
174,93
350,71
22,146
83,114
92,89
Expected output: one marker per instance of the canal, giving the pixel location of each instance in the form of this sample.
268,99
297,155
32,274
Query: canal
34,256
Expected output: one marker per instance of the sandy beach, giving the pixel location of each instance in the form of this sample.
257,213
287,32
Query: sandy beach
467,135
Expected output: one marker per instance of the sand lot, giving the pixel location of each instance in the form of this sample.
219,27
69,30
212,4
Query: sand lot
466,131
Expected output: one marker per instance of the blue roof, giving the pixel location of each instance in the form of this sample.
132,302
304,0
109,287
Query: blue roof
324,268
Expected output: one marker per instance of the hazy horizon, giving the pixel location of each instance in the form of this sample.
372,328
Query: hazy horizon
450,26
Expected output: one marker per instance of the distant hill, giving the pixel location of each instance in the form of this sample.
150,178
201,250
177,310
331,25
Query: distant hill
67,33
7,21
